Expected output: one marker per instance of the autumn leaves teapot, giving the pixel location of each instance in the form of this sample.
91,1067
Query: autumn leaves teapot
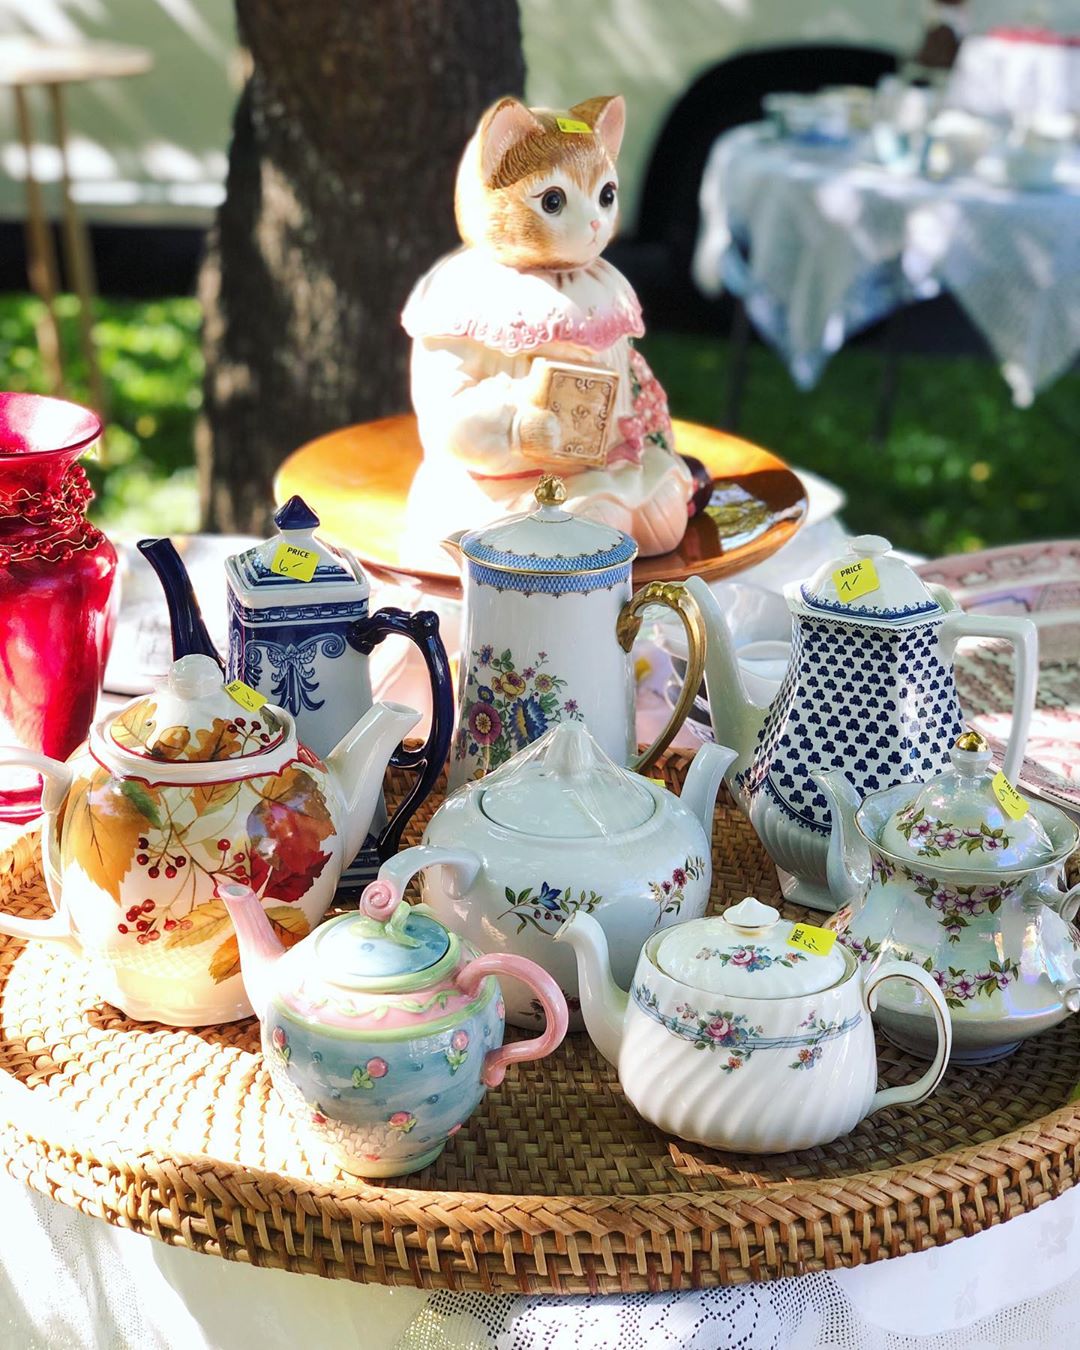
181,791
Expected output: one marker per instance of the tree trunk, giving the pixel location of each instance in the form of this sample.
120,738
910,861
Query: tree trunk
339,196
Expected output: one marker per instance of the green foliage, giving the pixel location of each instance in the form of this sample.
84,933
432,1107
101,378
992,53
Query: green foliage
962,468
152,367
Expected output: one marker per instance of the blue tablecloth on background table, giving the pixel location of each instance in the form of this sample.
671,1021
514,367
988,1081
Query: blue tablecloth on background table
819,243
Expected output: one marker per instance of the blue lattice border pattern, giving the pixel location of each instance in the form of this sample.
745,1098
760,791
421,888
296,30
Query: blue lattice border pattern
843,611
550,583
625,551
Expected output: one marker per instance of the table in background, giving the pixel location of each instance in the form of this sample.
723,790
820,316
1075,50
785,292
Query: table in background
24,65
819,244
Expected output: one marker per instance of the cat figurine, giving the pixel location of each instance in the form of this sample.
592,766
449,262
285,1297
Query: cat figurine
536,204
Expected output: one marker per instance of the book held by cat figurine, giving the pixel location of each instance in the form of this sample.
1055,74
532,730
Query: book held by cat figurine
522,356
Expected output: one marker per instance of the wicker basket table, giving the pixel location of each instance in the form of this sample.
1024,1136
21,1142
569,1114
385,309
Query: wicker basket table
554,1185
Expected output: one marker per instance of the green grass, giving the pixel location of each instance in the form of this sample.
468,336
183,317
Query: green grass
962,467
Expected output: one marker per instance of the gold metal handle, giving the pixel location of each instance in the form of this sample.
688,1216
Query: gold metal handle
674,596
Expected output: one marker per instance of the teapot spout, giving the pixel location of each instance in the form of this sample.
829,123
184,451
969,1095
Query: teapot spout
189,632
603,1003
703,781
259,946
452,545
849,862
357,764
736,718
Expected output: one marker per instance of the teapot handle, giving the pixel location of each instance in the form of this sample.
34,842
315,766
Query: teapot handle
422,629
922,1087
676,597
57,778
552,1000
1024,637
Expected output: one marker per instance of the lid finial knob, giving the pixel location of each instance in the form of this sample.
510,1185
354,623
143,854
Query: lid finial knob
550,490
972,740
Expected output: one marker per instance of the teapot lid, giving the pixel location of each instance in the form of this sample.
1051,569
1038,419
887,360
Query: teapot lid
898,595
366,950
549,539
296,567
746,952
564,786
191,719
957,819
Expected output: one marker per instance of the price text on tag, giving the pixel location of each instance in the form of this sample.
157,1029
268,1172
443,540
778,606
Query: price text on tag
855,579
1011,802
290,561
572,125
817,941
249,699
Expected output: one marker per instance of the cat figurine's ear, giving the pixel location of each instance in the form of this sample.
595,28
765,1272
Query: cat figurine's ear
607,117
504,126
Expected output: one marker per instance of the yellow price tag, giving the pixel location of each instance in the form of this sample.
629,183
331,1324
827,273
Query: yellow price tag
249,699
1011,802
816,941
291,561
855,579
572,125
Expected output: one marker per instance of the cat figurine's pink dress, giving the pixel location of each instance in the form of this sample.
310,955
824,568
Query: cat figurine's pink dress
536,206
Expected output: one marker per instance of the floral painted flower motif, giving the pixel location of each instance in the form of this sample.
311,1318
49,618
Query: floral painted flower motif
508,707
670,894
956,906
403,1121
960,987
459,1050
935,837
500,1007
365,1077
548,908
751,958
281,1043
317,1117
485,724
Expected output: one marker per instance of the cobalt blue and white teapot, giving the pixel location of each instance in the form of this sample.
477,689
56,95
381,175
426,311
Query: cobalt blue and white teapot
869,691
300,636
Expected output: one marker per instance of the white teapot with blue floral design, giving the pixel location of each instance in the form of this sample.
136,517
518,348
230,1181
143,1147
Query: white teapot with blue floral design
869,693
735,1036
945,876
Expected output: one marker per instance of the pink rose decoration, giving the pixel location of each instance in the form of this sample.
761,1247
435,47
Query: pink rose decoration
742,957
459,1040
377,1068
379,900
279,1038
719,1030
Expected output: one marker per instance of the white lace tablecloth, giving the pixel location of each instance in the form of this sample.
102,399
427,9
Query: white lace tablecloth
1001,76
819,244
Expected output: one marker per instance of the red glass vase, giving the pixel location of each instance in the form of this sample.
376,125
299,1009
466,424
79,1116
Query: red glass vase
57,608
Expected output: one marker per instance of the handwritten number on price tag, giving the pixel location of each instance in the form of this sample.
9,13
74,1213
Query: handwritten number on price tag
855,579
1011,802
249,699
817,941
294,562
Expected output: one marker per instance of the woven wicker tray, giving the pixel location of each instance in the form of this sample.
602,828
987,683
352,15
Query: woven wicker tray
554,1185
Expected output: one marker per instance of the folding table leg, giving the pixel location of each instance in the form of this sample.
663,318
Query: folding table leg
740,351
40,255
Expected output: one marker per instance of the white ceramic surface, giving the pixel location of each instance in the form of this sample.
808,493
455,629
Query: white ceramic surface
999,944
755,1075
506,885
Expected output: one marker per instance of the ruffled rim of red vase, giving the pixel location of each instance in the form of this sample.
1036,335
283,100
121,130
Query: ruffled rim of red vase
38,425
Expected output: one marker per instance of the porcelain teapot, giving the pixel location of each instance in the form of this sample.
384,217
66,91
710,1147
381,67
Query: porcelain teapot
300,634
558,829
383,1030
789,1059
181,790
869,691
945,876
547,636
